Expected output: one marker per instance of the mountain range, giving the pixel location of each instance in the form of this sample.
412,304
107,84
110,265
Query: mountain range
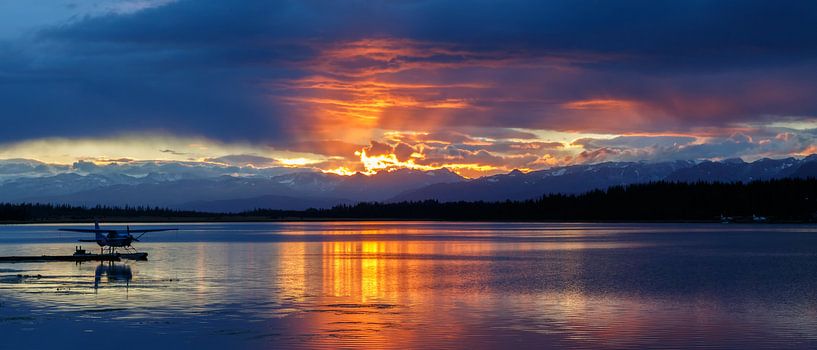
229,189
573,179
209,190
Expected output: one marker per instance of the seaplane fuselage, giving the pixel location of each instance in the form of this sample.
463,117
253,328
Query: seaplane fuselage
114,238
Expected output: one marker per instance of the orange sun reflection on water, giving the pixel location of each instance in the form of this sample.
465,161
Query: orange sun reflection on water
397,285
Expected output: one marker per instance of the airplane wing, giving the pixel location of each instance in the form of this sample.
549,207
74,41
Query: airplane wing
154,230
83,230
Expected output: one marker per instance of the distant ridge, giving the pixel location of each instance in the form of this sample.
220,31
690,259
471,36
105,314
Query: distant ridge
298,190
181,187
582,178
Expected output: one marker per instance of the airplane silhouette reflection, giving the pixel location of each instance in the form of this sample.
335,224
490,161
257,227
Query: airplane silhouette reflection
114,273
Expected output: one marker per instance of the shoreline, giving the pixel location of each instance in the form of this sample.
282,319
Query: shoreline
298,220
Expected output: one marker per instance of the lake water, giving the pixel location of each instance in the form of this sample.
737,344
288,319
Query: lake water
423,284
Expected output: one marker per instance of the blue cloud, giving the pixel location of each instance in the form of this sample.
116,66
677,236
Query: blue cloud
203,67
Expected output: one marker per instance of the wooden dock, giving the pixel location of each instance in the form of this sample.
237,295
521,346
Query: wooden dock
74,258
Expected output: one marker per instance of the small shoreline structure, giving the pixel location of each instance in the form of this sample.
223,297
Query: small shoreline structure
80,255
110,238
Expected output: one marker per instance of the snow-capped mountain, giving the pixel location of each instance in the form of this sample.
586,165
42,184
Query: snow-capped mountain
192,186
299,190
581,178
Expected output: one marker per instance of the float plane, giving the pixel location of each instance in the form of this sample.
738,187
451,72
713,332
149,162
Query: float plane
114,238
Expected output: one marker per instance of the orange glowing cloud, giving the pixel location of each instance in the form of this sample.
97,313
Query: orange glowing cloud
370,57
390,162
600,105
406,85
420,156
352,88
418,100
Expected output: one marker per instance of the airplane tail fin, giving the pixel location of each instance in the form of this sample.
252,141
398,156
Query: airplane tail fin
100,238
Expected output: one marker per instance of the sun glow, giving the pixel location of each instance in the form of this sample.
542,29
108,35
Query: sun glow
341,170
297,162
390,162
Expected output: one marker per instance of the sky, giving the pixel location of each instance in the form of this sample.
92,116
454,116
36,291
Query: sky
478,87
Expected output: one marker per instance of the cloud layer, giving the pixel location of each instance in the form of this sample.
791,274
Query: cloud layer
437,83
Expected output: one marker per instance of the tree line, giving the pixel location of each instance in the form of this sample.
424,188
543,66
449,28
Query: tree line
779,200
32,212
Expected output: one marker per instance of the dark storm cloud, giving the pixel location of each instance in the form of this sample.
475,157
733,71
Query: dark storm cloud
205,67
648,28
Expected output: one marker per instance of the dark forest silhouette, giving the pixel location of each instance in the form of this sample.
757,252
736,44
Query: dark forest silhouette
779,200
29,212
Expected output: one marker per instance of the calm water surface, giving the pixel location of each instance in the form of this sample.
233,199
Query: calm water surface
431,285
